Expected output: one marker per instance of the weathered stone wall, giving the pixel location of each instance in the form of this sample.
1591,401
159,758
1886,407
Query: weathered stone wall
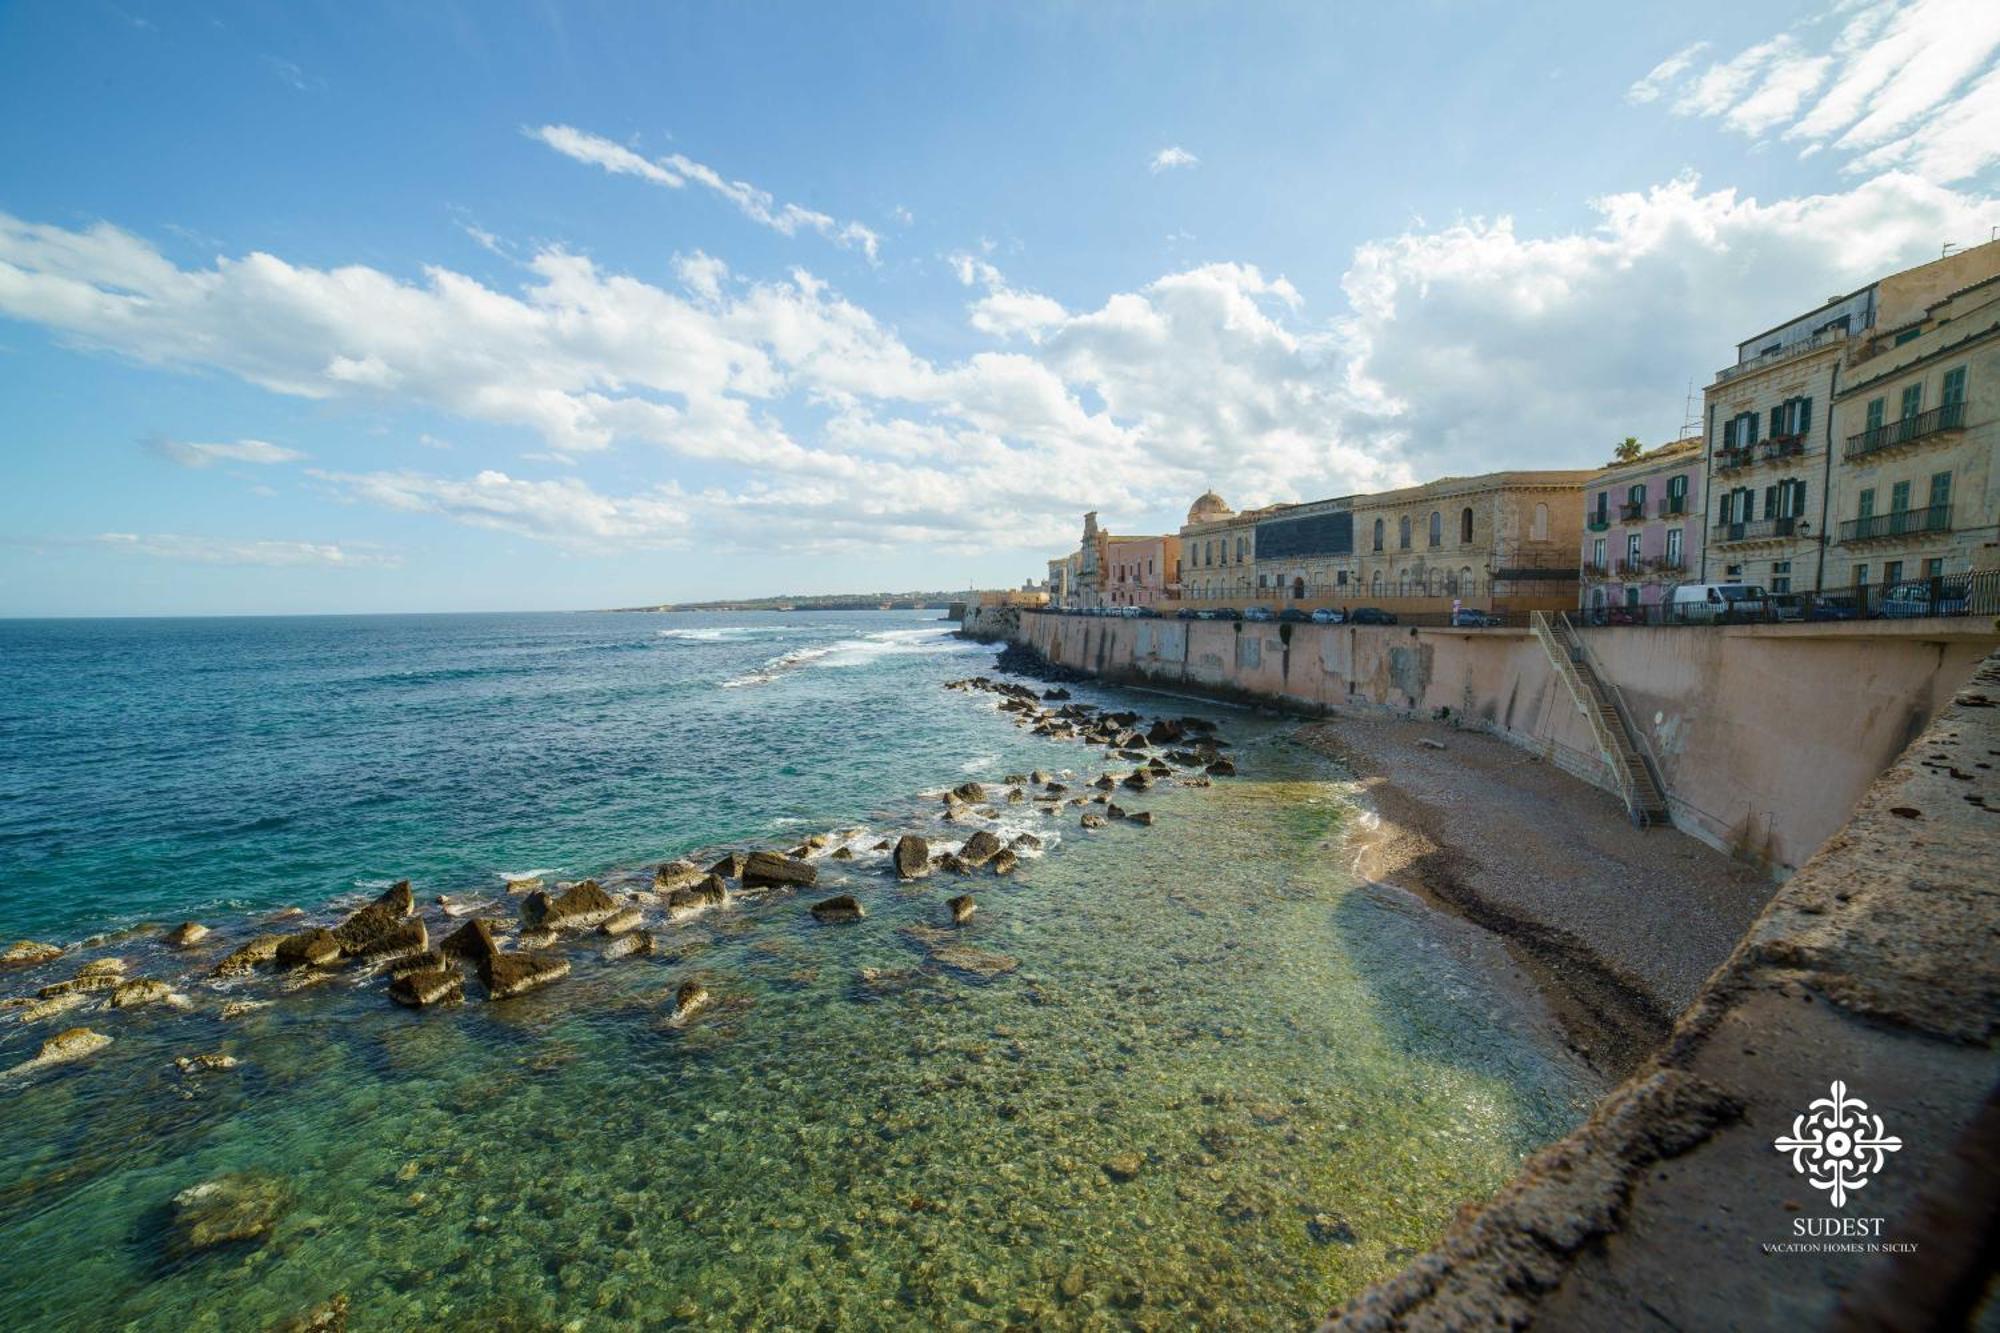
1766,735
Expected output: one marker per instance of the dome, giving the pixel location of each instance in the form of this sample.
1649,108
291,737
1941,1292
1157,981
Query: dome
1208,508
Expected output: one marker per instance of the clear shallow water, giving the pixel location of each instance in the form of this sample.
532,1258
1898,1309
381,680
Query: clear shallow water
1313,1074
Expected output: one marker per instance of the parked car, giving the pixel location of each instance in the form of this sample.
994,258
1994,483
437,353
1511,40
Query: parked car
1226,613
1467,618
1291,615
1327,616
1145,613
1371,615
1617,614
1788,606
1258,613
1187,613
1833,608
1929,597
1705,603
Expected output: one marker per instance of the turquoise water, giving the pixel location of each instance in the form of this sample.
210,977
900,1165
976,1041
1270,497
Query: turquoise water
1210,1081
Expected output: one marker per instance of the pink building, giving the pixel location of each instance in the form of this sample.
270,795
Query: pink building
1139,571
1642,527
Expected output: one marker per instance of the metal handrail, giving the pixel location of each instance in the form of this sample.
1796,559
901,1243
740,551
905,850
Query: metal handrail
1638,742
1559,654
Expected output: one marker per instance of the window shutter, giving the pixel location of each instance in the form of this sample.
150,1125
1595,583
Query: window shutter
1770,502
1805,416
1777,421
1729,433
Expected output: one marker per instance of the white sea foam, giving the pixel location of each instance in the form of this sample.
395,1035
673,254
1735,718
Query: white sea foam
722,633
509,876
854,652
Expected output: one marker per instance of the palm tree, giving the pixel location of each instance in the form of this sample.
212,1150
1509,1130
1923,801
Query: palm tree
1629,450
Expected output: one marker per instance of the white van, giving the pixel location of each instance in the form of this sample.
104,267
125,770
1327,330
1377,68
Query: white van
1699,602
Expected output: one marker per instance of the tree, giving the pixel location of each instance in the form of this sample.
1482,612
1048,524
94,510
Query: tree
1629,450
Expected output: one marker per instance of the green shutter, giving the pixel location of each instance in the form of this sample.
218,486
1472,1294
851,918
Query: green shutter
1875,414
1913,400
1804,423
1954,385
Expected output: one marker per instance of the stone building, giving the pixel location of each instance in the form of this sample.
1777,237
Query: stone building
1062,579
1218,551
1139,571
1506,540
1917,422
1642,526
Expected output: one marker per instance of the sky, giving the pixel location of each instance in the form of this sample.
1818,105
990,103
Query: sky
343,307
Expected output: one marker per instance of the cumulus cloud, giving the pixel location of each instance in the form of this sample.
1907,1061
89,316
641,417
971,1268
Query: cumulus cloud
232,551
1892,86
563,511
676,170
189,454
1171,159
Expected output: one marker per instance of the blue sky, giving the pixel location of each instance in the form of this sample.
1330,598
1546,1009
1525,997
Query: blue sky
485,306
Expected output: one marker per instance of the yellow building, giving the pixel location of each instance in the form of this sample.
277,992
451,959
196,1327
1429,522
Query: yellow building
1217,551
1499,541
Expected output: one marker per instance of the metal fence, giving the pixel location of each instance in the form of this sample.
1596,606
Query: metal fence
1939,596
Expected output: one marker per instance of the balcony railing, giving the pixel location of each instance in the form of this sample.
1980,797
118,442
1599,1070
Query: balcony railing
1890,434
1631,512
1592,570
1757,530
1773,449
1598,521
1673,506
1825,337
1897,523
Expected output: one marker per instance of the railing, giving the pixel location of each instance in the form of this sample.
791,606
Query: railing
1631,512
1598,522
1533,568
1565,652
1942,596
1757,530
1651,794
1771,449
1823,338
1896,523
1890,434
1595,571
1673,506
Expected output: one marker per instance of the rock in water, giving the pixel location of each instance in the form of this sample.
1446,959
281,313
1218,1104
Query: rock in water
1140,780
1143,818
472,941
710,893
912,857
1092,820
951,864
620,923
1107,782
688,1000
422,989
328,1318
246,956
143,990
405,939
65,1046
539,938
980,848
843,908
1026,842
1164,732
1004,861
102,967
427,961
1113,810
632,944
1222,768
774,869
962,907
1124,1166
676,875
376,919
318,947
730,866
23,952
969,792
185,935
843,853
509,974
237,1208
964,958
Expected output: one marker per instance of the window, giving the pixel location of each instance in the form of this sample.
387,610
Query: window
1632,549
1403,533
1732,571
1899,498
1913,400
1907,334
1677,494
1892,571
1940,489
1636,494
1242,548
1781,576
1603,507
1866,509
1208,553
1437,529
1632,598
1787,499
1597,553
1340,579
1933,567
1378,534
1465,527
1675,544
1375,584
1954,386
1874,414
1861,576
1539,532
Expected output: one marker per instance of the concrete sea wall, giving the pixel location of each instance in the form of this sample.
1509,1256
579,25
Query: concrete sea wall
1766,735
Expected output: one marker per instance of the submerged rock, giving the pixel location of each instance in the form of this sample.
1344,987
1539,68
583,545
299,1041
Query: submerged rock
622,923
912,857
965,958
631,944
842,908
980,848
428,986
679,874
712,892
1124,1166
962,907
37,1010
775,870
689,1000
241,1207
140,991
238,1008
330,1317
65,1046
23,952
506,975
211,1062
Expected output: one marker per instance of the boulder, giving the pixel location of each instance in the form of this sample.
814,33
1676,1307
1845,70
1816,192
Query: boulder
632,944
1058,693
102,967
1004,861
1107,782
1014,780
951,864
980,848
318,947
234,1209
517,887
1165,732
140,991
730,866
1055,788
1015,796
622,923
328,1317
819,841
1092,820
23,952
1026,842
843,853
185,935
684,903
539,938
881,846
969,792
70,1044
679,874
472,941
428,960
771,869
38,1010
962,908
842,908
912,857
1143,818
208,1063
689,1000
429,986
580,905
1139,781
1222,768
1124,1166
378,918
402,940
506,975
1113,810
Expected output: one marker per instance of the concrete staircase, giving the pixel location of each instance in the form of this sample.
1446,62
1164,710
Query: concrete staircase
1638,785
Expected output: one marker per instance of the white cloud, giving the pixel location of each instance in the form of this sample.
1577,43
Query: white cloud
1171,159
188,454
563,511
231,551
1909,86
675,171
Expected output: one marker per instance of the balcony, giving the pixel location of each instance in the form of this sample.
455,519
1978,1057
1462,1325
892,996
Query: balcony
1758,530
1910,430
1773,449
1632,513
1673,506
1598,521
1592,570
1896,523
1763,360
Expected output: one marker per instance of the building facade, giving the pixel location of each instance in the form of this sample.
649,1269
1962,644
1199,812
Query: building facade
1643,526
1218,551
1062,579
1305,552
1503,540
1139,571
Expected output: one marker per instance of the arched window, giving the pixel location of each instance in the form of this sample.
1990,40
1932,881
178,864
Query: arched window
1298,587
1378,535
1242,548
1540,531
1437,528
1375,584
1465,580
1465,527
1403,533
1208,553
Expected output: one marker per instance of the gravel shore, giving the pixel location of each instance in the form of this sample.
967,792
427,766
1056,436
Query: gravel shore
1620,925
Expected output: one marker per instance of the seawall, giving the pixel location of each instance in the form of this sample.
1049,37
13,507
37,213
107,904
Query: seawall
1765,735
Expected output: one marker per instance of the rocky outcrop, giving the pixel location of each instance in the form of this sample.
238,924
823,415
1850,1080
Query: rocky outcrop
185,935
318,947
377,919
428,986
730,866
912,857
711,893
404,939
140,991
842,908
23,952
980,848
65,1046
776,870
679,874
580,905
237,1209
506,975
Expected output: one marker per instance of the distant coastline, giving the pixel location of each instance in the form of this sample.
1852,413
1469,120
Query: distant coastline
842,601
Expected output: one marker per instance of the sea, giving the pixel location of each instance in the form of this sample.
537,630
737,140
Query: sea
1197,1074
